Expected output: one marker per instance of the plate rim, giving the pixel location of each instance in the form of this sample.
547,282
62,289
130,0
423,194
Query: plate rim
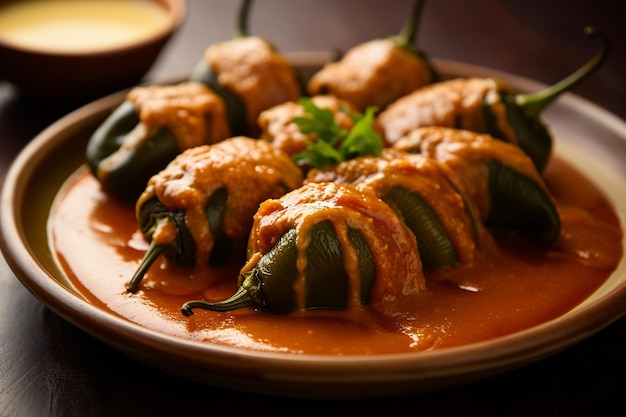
333,376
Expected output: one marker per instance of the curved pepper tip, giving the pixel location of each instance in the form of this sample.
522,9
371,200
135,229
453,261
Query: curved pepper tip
153,252
187,309
241,299
534,103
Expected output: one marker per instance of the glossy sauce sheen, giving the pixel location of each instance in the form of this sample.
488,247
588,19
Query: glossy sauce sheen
99,246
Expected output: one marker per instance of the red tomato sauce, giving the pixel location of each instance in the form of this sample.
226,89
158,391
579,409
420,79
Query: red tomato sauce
98,244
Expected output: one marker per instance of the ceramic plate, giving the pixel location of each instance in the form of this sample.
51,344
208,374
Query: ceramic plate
586,135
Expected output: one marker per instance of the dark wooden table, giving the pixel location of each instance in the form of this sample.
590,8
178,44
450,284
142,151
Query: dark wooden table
50,368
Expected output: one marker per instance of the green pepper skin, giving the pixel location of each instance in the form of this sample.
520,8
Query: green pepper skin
518,201
269,285
378,72
203,202
202,73
127,176
435,246
532,135
520,206
405,183
505,115
236,112
182,250
406,39
235,108
523,110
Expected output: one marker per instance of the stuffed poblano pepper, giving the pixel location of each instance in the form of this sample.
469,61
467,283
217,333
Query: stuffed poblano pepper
326,246
497,177
205,199
249,74
447,228
148,130
380,71
485,105
321,131
284,125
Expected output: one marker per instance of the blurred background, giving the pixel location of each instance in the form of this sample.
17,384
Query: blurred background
537,39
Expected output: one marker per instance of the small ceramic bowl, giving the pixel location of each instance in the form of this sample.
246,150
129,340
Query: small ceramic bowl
42,55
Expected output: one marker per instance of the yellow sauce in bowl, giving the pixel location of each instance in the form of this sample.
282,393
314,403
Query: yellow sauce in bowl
72,26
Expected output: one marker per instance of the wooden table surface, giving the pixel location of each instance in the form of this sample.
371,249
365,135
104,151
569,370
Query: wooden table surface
50,368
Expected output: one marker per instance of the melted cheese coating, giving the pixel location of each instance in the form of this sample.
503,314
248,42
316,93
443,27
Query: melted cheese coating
427,178
466,154
192,111
374,73
399,276
255,72
250,170
453,103
277,124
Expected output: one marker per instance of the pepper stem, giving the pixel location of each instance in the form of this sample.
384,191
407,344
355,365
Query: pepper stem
406,38
242,19
248,295
153,252
534,103
241,299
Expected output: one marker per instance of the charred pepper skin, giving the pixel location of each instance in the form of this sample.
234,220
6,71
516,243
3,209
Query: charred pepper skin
148,130
127,178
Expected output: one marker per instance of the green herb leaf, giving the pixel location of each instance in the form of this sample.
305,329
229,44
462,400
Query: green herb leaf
332,143
319,154
362,139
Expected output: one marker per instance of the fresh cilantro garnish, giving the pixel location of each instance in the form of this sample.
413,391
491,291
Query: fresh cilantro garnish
332,143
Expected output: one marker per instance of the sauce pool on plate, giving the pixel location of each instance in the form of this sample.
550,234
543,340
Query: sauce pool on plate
98,245
69,26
